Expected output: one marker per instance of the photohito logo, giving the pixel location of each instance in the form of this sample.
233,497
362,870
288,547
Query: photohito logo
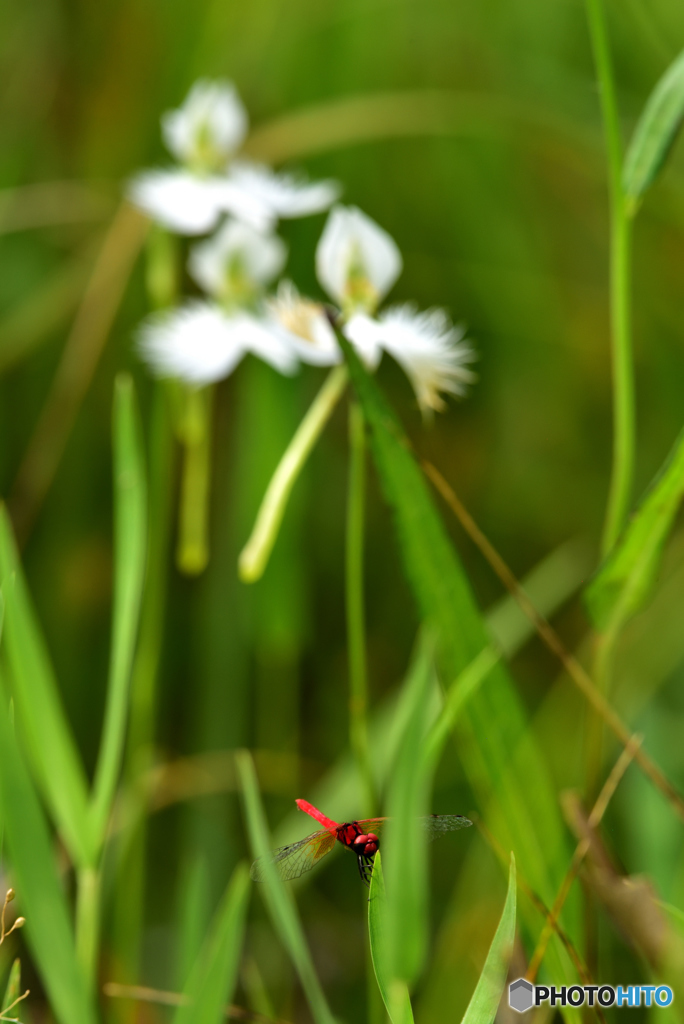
523,995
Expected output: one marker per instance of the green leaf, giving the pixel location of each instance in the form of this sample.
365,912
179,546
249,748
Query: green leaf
395,994
503,756
214,974
43,724
13,990
129,572
625,580
487,995
404,845
655,133
48,928
279,900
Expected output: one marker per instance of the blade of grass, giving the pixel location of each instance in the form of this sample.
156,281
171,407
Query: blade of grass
498,723
278,899
395,994
53,755
485,1000
48,929
129,529
655,134
13,989
625,581
214,974
405,845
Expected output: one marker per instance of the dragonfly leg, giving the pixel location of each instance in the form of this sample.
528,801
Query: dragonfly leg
365,862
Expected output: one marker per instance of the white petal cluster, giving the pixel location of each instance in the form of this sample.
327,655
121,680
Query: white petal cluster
209,127
357,262
236,255
200,343
204,134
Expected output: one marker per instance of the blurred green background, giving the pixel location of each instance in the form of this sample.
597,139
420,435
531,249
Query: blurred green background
472,133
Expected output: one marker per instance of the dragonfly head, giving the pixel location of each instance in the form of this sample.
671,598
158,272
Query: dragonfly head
367,843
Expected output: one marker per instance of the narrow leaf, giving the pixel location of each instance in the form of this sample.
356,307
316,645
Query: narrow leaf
487,995
213,977
48,928
404,845
53,754
394,993
279,900
655,132
129,571
625,581
13,990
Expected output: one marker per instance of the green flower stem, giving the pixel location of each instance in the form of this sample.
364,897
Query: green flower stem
255,554
620,258
356,628
88,922
193,546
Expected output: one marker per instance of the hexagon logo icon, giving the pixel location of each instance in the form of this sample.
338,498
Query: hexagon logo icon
520,995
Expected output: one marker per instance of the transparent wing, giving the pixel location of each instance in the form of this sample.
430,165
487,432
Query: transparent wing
296,858
437,824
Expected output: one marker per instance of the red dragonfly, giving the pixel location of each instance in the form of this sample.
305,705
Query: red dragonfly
361,837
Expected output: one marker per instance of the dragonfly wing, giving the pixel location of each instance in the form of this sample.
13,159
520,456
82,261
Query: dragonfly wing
295,859
437,824
374,825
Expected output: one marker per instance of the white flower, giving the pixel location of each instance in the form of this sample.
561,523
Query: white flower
356,261
430,350
200,343
208,128
204,134
305,325
237,261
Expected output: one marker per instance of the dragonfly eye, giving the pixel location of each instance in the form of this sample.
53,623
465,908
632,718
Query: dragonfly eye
367,843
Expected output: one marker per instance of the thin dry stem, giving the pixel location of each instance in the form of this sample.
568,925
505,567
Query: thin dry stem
548,634
163,998
11,1006
598,810
79,360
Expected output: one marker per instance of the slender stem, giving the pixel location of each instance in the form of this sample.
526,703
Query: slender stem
88,922
356,627
193,545
255,554
620,252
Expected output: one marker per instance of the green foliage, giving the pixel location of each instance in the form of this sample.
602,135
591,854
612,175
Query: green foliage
13,988
279,900
394,991
626,579
212,980
655,133
129,571
50,743
48,928
485,1000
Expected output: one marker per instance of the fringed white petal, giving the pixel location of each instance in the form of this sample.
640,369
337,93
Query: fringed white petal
212,117
430,350
352,243
181,201
305,326
284,194
258,257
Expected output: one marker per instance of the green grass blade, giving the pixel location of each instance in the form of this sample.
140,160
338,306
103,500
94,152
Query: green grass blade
655,132
129,571
394,993
52,751
48,929
487,995
503,756
278,899
625,580
214,974
13,990
404,845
